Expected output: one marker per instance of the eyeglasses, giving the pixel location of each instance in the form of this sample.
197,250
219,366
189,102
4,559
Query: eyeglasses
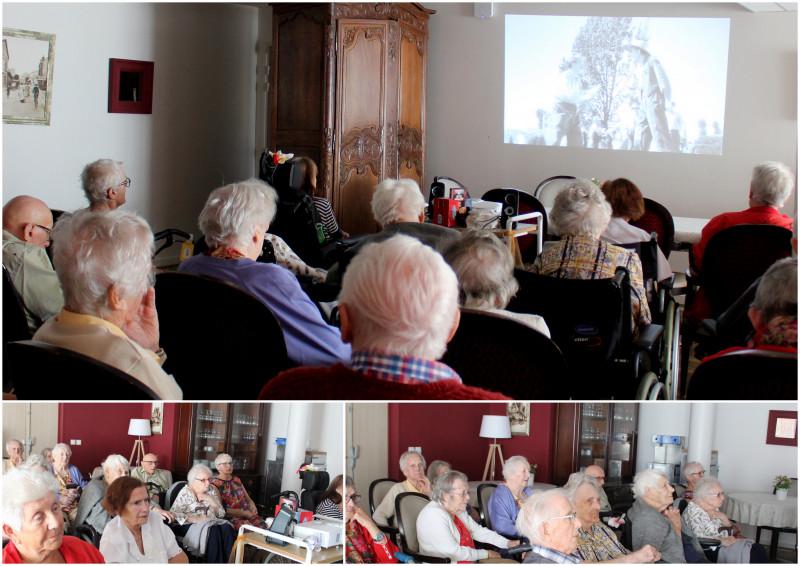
149,461
355,498
700,473
202,480
126,182
571,517
228,463
460,493
720,494
45,228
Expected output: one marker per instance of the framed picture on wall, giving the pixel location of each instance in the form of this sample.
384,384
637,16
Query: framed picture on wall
782,428
157,417
27,76
519,414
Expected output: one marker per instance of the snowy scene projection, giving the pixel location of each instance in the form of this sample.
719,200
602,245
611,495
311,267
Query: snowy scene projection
640,84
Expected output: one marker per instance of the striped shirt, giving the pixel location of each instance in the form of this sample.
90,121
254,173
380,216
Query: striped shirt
329,509
599,545
401,369
325,212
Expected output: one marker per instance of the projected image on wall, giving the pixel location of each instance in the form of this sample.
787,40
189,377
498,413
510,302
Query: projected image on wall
636,84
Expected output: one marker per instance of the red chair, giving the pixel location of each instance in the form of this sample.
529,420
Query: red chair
657,218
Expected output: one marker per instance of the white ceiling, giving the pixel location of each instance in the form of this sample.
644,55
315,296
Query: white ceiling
770,6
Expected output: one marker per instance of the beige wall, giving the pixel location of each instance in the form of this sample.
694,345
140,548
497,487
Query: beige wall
39,421
370,432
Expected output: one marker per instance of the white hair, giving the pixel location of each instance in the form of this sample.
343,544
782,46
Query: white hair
772,183
220,457
485,270
581,207
511,464
196,469
690,468
575,481
232,212
99,176
444,484
61,446
21,486
404,458
777,292
395,200
402,298
433,469
94,250
36,460
647,479
114,461
537,510
703,488
8,444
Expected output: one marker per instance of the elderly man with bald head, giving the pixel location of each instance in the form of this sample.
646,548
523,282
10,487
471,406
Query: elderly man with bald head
27,222
156,480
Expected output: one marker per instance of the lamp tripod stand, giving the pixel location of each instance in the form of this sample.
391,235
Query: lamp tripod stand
490,459
138,450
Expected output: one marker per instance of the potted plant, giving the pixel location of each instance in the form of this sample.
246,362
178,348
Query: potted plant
534,467
781,485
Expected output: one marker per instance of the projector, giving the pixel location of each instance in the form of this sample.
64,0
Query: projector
325,534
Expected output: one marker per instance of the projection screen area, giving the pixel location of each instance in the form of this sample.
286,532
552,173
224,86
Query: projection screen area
636,84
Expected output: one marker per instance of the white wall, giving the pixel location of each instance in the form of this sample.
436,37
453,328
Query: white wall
465,109
202,130
746,462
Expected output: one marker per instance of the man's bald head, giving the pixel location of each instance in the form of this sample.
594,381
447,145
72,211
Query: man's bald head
29,219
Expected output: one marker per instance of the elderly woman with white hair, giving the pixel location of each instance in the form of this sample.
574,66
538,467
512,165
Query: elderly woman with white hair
239,507
596,542
14,450
412,464
485,270
445,529
656,522
105,184
200,513
549,523
580,214
705,519
70,482
506,500
33,522
235,220
37,462
104,262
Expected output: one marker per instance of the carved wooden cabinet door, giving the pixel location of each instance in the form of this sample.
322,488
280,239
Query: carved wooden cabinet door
366,117
411,129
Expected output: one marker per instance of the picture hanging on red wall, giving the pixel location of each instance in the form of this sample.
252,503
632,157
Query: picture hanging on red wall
156,417
520,416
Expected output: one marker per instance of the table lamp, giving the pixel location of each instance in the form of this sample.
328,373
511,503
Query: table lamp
494,426
140,428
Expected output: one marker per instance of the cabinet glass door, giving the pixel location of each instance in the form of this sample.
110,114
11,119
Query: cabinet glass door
245,429
211,432
593,434
623,427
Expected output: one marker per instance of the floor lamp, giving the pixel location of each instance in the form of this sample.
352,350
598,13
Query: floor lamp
140,428
494,426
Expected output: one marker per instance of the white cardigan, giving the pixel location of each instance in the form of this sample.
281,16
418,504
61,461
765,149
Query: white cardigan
438,536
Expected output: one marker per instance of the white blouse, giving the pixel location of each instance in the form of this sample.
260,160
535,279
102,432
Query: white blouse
119,547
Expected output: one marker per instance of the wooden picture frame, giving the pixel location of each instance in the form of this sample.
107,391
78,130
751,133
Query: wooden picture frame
157,417
782,428
519,415
28,76
130,86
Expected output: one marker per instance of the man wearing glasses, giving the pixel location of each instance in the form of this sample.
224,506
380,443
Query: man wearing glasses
692,473
27,222
105,184
155,479
549,522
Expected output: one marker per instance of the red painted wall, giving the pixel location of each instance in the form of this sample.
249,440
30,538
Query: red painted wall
103,430
449,431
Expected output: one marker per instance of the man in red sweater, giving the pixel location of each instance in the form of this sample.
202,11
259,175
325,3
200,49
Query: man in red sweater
399,308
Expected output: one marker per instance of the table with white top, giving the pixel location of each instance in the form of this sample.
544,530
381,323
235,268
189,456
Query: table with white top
688,230
762,510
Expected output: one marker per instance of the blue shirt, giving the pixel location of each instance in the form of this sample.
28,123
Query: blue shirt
310,341
503,510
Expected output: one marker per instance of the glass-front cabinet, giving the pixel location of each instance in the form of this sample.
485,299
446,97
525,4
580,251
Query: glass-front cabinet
602,434
208,429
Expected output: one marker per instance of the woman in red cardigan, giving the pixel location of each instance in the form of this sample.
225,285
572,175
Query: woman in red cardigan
366,543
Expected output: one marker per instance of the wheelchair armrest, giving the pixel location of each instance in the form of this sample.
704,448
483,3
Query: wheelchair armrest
708,543
516,550
710,326
648,336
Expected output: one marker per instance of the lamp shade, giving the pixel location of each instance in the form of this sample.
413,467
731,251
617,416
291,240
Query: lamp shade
495,426
139,427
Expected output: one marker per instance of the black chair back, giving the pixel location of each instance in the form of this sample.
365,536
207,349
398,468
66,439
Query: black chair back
37,372
746,374
502,354
737,256
590,321
527,203
172,493
485,491
648,254
407,508
658,219
314,484
15,321
210,328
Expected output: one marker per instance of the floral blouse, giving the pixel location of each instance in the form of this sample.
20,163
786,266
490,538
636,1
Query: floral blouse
234,496
702,525
187,504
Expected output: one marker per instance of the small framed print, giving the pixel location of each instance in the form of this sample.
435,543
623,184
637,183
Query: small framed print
28,76
130,86
782,428
519,414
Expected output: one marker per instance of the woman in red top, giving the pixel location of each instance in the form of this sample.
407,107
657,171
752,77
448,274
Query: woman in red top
366,544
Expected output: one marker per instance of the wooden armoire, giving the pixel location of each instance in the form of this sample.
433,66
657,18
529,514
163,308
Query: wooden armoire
347,88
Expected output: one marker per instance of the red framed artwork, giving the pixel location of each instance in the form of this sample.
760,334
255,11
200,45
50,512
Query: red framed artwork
130,86
782,428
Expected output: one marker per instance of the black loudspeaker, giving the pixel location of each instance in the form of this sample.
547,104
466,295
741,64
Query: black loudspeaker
281,525
510,207
437,191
